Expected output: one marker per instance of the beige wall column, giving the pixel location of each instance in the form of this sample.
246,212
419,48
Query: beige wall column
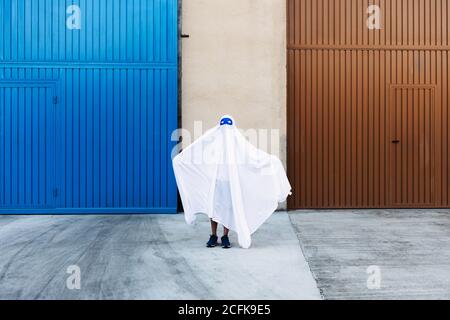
235,63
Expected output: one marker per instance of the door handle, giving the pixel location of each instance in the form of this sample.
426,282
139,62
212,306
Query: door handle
395,141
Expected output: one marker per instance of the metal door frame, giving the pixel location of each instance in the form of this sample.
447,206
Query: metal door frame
48,84
389,137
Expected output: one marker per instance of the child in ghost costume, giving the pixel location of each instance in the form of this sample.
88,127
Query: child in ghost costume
225,177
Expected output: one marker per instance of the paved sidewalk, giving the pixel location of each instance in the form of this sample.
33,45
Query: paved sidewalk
147,257
411,248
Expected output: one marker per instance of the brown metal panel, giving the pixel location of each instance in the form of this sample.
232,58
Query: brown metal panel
383,134
313,177
365,126
359,130
320,130
302,129
348,127
354,122
406,143
377,133
437,123
341,132
351,91
291,156
446,138
331,123
343,23
337,117
326,128
370,124
445,123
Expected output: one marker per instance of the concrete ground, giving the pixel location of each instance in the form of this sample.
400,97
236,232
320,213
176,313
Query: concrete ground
147,257
410,248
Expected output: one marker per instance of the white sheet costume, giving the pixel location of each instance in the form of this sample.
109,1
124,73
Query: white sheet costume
235,184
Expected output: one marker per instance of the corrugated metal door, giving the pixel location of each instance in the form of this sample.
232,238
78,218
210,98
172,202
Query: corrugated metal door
114,67
341,75
27,145
412,150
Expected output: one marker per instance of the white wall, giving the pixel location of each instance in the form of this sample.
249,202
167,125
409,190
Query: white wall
235,63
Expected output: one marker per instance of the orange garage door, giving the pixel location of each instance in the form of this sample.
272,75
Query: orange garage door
368,95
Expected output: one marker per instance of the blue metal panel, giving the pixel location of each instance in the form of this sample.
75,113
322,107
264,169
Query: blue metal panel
105,146
27,144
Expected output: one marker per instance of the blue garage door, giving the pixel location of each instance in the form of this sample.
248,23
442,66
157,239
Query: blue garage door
88,102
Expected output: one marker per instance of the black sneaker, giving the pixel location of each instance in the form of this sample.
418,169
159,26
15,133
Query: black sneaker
225,242
212,241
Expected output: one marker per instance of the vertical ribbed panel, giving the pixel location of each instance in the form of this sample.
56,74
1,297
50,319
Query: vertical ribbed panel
342,81
27,145
116,85
337,23
413,164
111,30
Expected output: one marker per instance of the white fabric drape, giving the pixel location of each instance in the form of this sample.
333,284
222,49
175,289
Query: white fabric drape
225,177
